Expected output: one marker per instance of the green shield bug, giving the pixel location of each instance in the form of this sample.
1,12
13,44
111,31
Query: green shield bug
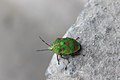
63,47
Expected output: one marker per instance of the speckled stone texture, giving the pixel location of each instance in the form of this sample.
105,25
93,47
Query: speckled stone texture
98,27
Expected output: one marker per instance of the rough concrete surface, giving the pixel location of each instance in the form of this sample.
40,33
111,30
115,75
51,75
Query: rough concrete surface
98,27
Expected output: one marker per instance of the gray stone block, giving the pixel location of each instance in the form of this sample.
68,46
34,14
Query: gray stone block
98,27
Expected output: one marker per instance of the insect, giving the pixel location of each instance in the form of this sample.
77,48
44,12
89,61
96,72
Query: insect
63,47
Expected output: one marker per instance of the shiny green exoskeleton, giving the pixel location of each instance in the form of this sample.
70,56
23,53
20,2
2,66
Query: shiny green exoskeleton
63,47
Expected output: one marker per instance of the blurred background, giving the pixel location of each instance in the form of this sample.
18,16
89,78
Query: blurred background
21,22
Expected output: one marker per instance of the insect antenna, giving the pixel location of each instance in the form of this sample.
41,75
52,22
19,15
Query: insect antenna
43,50
44,41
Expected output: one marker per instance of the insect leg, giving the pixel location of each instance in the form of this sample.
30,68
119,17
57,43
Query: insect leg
77,38
44,41
58,60
67,58
62,57
68,61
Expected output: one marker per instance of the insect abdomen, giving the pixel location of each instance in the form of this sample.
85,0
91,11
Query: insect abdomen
69,47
